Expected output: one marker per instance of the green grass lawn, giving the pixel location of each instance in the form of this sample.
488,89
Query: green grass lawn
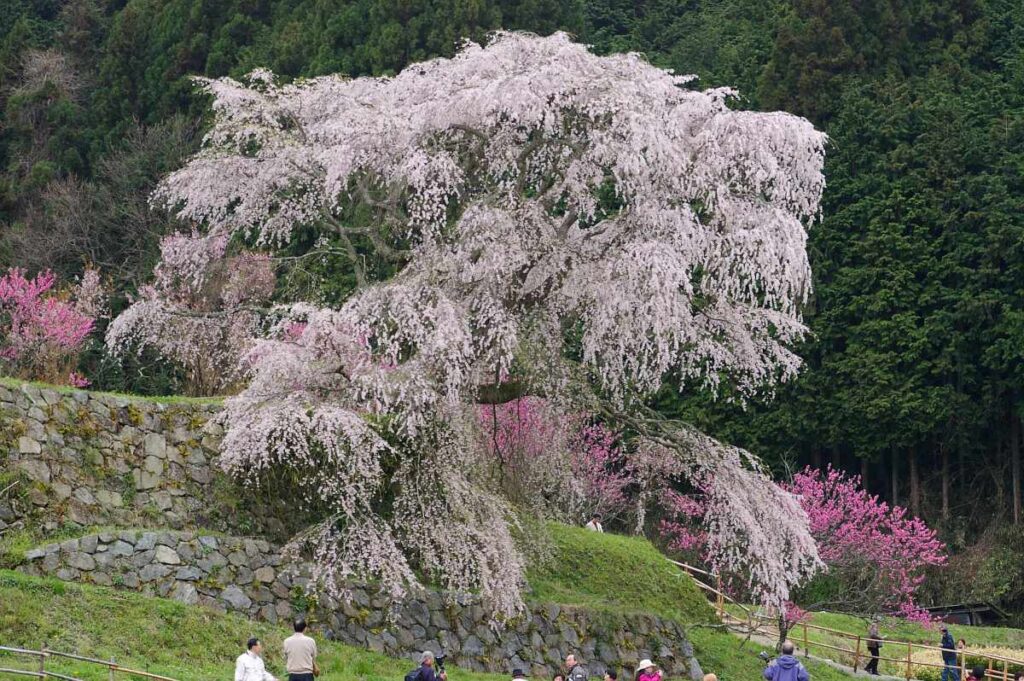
16,383
608,571
1003,637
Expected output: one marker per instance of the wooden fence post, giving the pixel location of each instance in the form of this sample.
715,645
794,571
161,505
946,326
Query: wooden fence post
856,655
989,672
719,600
42,660
910,650
1006,676
113,663
963,665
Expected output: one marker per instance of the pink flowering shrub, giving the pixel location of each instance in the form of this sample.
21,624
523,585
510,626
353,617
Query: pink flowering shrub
42,331
877,554
564,468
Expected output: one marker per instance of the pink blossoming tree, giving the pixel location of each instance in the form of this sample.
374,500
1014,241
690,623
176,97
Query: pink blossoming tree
42,331
560,466
561,225
875,553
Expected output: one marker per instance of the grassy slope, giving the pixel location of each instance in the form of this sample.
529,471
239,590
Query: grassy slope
628,574
189,643
908,631
608,572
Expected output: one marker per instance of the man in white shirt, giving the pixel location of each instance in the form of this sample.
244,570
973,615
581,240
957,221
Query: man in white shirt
300,654
249,665
595,523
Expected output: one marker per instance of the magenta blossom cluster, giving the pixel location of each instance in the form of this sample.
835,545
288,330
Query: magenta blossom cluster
41,333
573,463
876,551
858,533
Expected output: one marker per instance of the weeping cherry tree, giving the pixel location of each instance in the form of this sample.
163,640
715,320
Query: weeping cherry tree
560,224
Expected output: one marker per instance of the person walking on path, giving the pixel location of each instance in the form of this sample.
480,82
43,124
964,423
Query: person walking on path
647,671
249,665
575,671
874,645
786,667
949,656
300,654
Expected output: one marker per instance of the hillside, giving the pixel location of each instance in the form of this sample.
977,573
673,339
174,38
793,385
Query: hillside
160,636
608,572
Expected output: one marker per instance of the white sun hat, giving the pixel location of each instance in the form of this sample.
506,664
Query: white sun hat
644,664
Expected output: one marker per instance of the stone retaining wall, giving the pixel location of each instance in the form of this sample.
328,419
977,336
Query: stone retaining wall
105,460
99,459
228,574
250,577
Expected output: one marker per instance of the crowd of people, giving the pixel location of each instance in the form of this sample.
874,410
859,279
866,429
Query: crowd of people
300,653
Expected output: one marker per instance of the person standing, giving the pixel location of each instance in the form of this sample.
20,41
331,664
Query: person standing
949,656
426,671
647,671
595,523
874,646
575,671
786,667
249,665
300,654
518,675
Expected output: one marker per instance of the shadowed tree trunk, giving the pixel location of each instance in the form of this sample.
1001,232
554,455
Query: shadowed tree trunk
915,482
945,483
1015,465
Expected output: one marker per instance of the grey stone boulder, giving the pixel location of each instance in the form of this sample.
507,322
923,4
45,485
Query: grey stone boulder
167,555
235,597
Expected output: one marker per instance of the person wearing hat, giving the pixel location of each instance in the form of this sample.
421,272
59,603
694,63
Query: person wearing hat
518,675
647,671
949,656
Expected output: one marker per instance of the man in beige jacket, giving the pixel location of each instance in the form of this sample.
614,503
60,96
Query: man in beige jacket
300,654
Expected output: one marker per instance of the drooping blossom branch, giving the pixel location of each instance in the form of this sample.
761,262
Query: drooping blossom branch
201,312
577,226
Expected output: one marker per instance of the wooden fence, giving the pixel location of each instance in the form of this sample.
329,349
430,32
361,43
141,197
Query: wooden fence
41,656
997,668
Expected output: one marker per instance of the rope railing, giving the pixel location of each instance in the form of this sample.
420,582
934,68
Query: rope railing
757,621
45,654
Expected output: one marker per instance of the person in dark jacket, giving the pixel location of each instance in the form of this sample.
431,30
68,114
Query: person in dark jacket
427,672
576,671
949,656
874,645
786,667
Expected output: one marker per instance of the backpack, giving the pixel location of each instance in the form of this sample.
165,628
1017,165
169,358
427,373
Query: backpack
414,675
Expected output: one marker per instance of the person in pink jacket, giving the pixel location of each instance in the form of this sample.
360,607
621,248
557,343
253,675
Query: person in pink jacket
646,671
